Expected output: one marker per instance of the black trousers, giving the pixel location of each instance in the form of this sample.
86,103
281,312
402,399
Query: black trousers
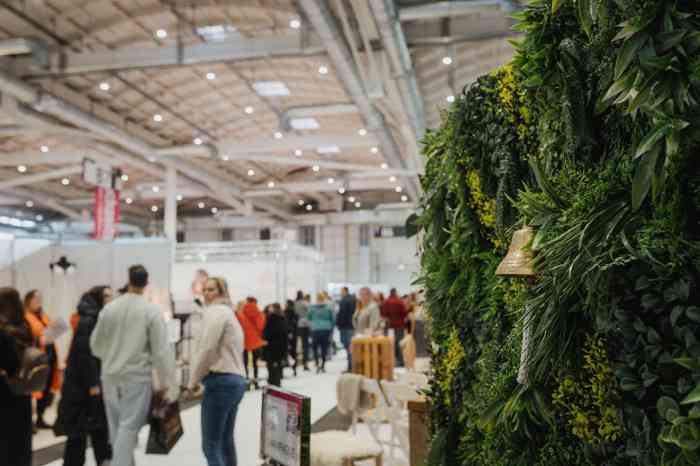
74,454
246,361
43,403
322,340
16,431
398,354
292,349
274,369
304,335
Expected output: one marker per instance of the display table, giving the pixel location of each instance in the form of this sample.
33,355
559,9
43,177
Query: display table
418,431
373,357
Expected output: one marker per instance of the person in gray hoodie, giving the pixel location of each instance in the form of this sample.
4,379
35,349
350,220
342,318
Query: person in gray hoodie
131,340
301,307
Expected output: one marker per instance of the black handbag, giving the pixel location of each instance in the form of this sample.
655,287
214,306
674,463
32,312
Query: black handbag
165,426
33,374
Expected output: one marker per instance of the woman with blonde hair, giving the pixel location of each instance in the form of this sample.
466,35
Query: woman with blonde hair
219,367
367,318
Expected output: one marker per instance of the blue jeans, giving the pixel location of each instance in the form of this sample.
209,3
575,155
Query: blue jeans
346,339
222,395
127,406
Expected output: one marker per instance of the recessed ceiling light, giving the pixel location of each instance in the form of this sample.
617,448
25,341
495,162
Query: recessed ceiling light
251,172
155,188
201,205
398,189
104,86
278,135
21,168
351,199
152,159
154,208
323,69
358,204
331,149
65,181
341,190
392,178
125,177
211,76
214,210
271,184
316,168
270,88
249,110
198,141
374,149
298,152
304,123
384,166
295,23
362,132
128,200
44,149
309,207
161,33
29,204
447,60
179,197
157,117
450,98
331,180
225,158
300,202
39,218
404,198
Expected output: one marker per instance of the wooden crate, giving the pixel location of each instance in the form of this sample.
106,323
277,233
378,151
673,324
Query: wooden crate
373,357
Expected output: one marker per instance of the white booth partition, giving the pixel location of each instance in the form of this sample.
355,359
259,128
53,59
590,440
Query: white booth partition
272,271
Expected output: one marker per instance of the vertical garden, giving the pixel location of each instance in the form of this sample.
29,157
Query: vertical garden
592,137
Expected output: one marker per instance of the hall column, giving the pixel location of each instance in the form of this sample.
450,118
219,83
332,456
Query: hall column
170,218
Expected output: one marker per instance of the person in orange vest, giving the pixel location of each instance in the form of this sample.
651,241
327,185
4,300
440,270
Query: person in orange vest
38,320
253,323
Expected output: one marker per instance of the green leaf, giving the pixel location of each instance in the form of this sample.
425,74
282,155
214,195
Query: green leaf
584,15
693,313
668,40
628,30
653,336
693,397
675,314
672,143
650,140
642,178
555,5
692,364
668,408
628,53
625,83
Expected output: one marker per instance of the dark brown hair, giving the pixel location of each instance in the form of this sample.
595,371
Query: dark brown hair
28,298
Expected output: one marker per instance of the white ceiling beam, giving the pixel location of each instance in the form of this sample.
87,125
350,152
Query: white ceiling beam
269,144
322,186
29,158
67,62
23,180
323,163
50,202
436,10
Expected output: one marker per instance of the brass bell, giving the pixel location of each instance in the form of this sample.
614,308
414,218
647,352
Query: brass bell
518,261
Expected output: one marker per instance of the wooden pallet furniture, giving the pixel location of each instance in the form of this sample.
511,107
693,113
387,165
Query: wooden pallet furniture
373,357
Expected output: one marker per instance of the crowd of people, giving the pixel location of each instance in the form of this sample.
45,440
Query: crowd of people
119,343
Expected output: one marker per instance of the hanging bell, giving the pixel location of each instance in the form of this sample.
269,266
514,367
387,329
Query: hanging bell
518,261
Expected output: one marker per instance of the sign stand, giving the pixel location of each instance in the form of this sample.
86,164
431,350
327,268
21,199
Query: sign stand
285,437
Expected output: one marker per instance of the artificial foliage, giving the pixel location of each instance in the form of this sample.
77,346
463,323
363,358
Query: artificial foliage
591,135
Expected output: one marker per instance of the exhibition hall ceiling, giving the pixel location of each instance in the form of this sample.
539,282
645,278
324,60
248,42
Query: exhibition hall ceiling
262,107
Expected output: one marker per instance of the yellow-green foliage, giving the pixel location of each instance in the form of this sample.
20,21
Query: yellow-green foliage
512,97
450,363
589,401
483,205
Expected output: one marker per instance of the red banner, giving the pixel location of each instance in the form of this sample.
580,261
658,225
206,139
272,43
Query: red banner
107,213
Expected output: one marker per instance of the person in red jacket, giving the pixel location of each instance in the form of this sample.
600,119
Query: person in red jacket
395,312
253,323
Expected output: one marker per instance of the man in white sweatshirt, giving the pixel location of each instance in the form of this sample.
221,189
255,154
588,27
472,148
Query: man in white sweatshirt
131,340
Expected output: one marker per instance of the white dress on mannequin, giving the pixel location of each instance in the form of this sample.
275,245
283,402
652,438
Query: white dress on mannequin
61,303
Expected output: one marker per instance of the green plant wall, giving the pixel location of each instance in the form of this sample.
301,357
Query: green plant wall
592,136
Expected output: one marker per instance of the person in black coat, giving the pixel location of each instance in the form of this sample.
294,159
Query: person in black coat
81,411
292,319
346,311
275,352
16,419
